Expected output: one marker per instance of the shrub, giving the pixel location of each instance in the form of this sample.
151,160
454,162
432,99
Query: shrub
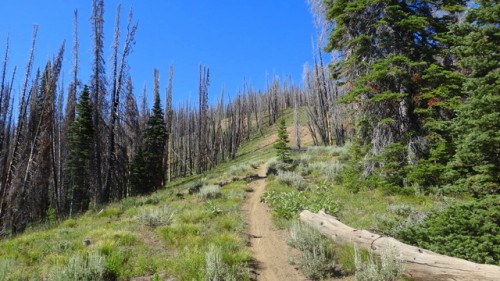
109,212
465,230
317,259
292,179
239,169
274,166
288,204
69,223
154,217
89,267
195,187
303,160
406,216
401,209
390,267
325,150
214,269
5,266
209,192
329,170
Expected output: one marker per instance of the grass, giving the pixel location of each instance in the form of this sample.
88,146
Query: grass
371,209
88,267
317,259
139,236
292,179
202,235
390,267
161,234
156,216
209,192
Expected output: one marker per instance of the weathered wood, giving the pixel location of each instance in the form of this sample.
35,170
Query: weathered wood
420,264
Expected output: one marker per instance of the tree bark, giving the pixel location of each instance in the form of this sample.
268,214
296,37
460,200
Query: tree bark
420,264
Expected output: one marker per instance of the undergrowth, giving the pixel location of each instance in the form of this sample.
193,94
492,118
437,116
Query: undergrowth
466,230
317,259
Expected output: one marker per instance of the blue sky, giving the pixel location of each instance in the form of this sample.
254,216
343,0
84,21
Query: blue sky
255,39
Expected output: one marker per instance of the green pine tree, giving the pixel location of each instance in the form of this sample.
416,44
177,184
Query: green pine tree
147,171
281,145
137,177
476,129
81,134
397,70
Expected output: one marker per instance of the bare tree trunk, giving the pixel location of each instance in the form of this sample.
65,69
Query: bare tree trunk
168,123
5,208
98,91
296,120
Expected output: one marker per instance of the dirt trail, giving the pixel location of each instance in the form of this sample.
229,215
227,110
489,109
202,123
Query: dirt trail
266,241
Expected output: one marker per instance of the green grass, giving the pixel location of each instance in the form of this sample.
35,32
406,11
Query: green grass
136,237
159,234
194,238
362,208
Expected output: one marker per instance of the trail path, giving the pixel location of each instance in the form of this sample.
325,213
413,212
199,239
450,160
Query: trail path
266,241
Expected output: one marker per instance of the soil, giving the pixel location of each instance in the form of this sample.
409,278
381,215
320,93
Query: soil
267,243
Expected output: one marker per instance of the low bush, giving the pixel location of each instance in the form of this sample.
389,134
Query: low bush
390,268
325,150
240,169
87,267
292,179
69,223
109,212
214,268
317,259
465,230
155,217
209,192
329,170
285,204
274,166
289,204
195,187
6,265
303,160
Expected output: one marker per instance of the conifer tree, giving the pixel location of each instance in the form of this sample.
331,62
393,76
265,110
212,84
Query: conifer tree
147,171
396,69
81,134
281,145
155,135
476,130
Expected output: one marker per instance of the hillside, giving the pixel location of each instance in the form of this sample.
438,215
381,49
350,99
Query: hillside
174,235
394,128
170,233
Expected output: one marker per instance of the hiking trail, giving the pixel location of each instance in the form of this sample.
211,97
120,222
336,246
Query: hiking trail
267,242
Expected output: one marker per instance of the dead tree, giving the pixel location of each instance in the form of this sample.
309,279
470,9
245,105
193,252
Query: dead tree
98,92
168,123
6,211
202,133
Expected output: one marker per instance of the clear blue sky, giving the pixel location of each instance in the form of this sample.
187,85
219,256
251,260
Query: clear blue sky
255,39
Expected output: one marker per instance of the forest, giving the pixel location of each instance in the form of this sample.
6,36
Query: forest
412,93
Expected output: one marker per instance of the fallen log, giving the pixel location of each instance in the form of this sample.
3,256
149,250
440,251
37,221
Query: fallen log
420,264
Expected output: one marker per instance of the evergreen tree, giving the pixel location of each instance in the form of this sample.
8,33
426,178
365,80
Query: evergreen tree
81,134
281,145
396,70
137,180
476,130
147,171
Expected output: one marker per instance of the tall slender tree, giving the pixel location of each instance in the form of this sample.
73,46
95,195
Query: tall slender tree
98,94
81,134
